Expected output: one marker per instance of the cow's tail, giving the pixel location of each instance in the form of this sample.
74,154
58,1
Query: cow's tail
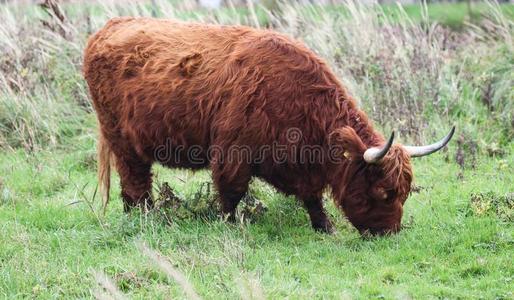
104,170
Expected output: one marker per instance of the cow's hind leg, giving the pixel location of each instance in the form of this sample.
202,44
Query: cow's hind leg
136,181
232,181
319,220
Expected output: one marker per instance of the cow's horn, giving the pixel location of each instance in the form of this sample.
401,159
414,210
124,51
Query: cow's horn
418,151
375,154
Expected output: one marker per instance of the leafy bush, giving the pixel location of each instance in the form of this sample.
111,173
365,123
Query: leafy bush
490,203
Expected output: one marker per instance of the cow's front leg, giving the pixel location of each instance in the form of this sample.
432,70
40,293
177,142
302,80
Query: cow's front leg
319,220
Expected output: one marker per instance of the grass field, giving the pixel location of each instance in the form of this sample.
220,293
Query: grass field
52,241
410,74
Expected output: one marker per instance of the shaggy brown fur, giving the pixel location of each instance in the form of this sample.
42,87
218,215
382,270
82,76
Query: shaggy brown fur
183,85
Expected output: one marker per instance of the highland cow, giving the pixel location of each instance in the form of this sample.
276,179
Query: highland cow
196,92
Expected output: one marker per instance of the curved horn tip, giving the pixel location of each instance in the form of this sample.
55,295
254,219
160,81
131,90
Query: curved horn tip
391,139
418,151
451,133
375,154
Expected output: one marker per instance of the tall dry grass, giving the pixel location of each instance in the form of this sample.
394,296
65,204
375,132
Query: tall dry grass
414,77
43,97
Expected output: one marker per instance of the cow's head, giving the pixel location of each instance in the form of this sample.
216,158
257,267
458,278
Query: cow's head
374,183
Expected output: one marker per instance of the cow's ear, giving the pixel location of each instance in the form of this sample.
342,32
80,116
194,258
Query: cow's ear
189,64
351,143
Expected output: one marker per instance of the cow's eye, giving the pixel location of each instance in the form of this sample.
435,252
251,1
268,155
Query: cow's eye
379,193
391,195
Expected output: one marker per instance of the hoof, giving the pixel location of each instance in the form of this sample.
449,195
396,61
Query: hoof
327,228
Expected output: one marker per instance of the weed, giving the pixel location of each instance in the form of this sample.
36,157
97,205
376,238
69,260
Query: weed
490,203
204,204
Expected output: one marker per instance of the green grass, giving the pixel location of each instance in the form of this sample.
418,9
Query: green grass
51,240
453,15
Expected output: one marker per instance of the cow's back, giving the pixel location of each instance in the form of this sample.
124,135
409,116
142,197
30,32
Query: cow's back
156,80
160,82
